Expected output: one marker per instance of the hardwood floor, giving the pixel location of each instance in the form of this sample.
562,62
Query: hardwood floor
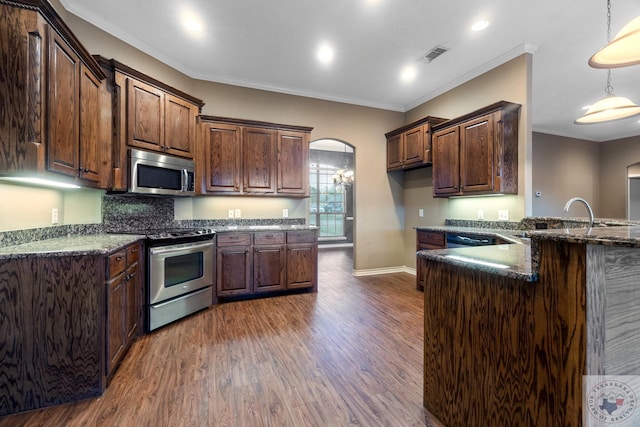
350,354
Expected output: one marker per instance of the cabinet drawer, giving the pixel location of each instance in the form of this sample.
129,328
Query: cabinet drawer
133,254
117,263
431,238
268,238
301,236
234,239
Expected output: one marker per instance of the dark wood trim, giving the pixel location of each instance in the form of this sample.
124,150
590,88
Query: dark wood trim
52,17
113,65
428,119
500,105
254,123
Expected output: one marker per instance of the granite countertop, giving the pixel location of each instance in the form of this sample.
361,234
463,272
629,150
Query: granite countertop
264,227
90,244
628,236
510,260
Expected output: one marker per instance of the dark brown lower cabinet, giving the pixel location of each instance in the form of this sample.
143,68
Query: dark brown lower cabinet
427,240
270,261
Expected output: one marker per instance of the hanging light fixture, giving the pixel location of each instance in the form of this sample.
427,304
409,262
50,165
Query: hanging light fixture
623,50
345,176
610,107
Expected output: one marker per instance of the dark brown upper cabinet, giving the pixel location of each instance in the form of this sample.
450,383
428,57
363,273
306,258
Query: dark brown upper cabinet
477,153
409,147
54,98
240,157
147,114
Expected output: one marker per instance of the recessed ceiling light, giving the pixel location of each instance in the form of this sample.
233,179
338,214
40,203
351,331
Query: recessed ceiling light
325,54
480,25
192,22
408,74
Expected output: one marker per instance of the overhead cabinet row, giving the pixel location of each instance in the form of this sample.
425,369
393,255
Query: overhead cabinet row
74,117
474,154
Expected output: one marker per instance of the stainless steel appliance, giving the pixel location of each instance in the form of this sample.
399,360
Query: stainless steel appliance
455,240
159,174
180,274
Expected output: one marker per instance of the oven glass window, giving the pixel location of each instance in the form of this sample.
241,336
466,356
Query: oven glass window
183,268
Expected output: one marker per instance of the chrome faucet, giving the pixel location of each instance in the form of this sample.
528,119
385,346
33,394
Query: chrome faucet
580,199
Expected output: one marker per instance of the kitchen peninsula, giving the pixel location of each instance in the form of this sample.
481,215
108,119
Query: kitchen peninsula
508,344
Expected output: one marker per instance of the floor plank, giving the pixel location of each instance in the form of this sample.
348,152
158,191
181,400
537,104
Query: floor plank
349,355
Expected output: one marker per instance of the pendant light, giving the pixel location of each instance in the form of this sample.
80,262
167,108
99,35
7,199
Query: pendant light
610,107
623,50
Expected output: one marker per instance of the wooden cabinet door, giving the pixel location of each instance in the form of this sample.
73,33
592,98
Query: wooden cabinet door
222,158
395,152
259,162
302,262
413,151
63,102
90,131
145,116
133,305
269,268
293,163
180,126
476,155
234,270
116,297
446,162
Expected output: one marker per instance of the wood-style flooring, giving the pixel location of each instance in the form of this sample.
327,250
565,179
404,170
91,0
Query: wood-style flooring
349,355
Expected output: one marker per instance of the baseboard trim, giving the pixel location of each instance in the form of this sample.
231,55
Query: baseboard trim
385,270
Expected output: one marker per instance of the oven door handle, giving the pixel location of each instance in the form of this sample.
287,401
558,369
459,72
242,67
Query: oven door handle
184,246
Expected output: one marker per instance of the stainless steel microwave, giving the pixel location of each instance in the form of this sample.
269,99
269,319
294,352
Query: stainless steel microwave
159,174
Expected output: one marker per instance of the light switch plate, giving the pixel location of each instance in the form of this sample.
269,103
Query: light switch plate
230,213
480,213
503,215
420,213
238,213
285,213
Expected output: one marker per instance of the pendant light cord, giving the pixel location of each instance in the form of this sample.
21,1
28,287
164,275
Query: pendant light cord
608,88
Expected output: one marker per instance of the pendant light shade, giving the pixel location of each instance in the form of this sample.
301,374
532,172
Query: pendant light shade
622,51
608,109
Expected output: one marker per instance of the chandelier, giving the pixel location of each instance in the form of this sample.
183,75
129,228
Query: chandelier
343,177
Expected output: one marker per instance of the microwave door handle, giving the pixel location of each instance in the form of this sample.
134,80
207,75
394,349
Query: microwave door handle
185,180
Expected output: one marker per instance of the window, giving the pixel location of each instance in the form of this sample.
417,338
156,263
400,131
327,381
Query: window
327,202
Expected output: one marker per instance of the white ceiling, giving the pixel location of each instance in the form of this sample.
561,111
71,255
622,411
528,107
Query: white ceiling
271,45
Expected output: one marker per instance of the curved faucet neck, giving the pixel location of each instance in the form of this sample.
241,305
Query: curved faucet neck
580,199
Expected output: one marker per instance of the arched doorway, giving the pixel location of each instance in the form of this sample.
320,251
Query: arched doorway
332,182
633,192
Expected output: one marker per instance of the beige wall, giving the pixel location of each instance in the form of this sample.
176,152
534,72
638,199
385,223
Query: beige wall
509,82
564,168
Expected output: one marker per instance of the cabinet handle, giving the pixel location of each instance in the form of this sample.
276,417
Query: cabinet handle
134,250
119,258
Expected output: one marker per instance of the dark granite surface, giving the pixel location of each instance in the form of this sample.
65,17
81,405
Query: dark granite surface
628,236
512,260
92,244
510,235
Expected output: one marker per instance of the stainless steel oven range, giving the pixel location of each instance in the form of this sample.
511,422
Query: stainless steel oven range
180,274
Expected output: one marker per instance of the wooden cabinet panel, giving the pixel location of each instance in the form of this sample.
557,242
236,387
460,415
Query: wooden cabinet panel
64,110
180,126
476,155
293,163
427,240
145,115
233,270
133,303
302,264
268,268
116,303
394,152
258,155
90,122
222,156
446,170
414,146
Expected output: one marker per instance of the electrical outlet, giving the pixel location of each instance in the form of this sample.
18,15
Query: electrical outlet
503,215
54,216
238,213
285,213
420,213
230,213
480,213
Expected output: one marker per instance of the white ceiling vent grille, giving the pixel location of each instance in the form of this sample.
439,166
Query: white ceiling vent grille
432,54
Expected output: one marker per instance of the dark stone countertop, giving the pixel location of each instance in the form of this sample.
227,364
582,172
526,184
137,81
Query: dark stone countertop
513,236
628,236
265,227
91,244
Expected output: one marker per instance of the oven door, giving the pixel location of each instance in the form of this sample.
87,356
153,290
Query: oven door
176,270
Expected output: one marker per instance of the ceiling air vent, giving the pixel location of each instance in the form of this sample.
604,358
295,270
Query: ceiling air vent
432,54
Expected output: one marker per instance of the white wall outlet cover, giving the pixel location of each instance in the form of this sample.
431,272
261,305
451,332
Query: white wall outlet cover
54,216
231,213
238,213
480,213
420,213
285,213
503,215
